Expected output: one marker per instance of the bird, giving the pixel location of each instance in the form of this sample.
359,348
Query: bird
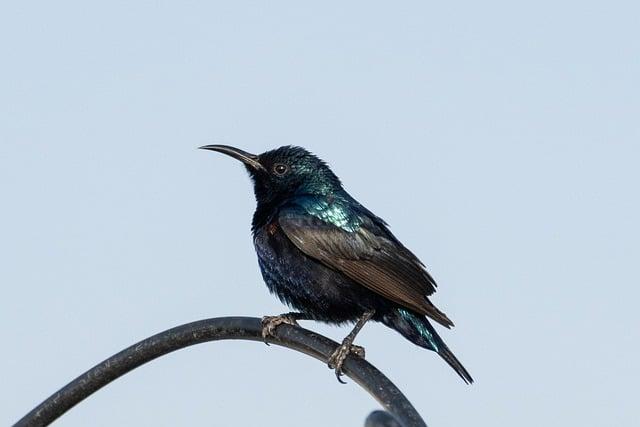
329,258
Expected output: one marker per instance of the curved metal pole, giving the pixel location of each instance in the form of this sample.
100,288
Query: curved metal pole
221,328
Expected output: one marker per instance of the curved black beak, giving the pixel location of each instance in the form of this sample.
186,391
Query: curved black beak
248,159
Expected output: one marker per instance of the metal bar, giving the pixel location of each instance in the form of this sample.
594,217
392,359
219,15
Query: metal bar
221,328
381,419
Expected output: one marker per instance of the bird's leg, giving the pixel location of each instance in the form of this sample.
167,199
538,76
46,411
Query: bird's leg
270,323
336,360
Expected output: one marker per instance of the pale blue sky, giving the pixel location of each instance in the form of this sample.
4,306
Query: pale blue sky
500,140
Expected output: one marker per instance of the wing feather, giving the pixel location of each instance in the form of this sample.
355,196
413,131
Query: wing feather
371,256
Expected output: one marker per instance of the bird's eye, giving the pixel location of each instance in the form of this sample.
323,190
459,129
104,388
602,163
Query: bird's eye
280,169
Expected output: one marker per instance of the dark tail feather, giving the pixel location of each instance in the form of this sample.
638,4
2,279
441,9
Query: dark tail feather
451,359
418,330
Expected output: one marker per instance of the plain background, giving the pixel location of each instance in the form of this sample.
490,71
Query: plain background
500,140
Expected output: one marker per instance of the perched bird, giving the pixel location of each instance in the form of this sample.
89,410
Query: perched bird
325,255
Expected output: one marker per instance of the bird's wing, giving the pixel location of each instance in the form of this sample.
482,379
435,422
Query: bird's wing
370,256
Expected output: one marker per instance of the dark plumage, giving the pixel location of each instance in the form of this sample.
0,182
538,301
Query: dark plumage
327,256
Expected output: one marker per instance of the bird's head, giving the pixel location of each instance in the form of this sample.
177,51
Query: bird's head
284,172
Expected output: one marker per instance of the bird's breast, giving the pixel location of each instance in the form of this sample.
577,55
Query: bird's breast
272,228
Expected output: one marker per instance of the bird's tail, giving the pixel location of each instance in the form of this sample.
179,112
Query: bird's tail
418,330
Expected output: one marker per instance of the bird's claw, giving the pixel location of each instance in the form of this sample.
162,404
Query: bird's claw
270,323
336,360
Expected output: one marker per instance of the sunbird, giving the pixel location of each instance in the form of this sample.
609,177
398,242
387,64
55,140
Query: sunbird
325,255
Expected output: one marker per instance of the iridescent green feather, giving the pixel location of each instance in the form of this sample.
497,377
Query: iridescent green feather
411,318
333,212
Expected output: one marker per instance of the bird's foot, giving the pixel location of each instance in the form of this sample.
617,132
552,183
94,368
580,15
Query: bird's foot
270,323
336,360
